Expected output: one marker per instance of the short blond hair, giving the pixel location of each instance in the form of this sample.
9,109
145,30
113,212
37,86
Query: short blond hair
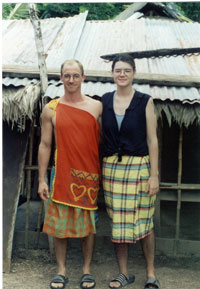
70,62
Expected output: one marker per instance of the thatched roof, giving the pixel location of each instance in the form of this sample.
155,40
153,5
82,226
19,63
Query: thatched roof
182,114
20,103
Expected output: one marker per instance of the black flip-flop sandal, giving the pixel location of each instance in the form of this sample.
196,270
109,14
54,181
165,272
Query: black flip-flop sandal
123,280
151,281
59,279
89,279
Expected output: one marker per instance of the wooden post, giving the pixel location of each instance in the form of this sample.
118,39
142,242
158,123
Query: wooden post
178,209
157,205
40,50
41,59
39,224
29,185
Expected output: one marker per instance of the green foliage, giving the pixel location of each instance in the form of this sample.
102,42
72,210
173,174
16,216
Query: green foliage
190,9
102,11
20,11
6,9
96,11
47,10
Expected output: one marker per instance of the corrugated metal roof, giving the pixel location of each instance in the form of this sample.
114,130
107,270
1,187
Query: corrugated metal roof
19,42
183,94
67,41
108,37
7,81
55,88
88,40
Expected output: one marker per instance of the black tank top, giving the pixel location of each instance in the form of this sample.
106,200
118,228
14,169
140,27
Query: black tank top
131,138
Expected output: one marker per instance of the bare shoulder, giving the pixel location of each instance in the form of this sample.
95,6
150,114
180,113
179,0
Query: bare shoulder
92,100
95,104
150,104
150,109
47,112
150,101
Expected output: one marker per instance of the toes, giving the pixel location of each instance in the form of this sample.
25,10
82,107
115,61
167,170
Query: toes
114,284
86,284
57,285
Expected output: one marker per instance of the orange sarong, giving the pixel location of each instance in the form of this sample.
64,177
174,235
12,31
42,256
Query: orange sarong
77,167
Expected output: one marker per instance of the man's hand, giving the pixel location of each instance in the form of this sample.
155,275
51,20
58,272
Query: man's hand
152,186
43,191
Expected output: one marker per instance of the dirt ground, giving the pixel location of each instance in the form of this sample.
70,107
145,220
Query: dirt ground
35,270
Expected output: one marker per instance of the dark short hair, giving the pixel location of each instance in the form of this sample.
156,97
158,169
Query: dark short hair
124,57
70,62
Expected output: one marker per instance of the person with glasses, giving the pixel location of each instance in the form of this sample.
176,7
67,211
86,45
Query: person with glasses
130,169
71,201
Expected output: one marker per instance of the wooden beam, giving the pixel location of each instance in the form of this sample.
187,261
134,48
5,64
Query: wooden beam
106,76
187,196
175,186
156,53
35,168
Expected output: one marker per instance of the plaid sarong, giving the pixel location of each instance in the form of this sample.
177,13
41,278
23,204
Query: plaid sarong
63,221
129,207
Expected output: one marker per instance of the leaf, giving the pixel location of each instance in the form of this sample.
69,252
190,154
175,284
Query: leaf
20,11
82,9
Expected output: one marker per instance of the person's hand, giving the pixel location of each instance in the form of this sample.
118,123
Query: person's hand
152,185
43,191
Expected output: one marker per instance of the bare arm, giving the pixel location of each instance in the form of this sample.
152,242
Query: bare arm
45,151
152,142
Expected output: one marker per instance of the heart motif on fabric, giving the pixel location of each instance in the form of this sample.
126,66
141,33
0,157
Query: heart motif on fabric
77,191
92,194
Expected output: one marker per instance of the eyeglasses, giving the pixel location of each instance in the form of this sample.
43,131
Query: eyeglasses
75,77
124,71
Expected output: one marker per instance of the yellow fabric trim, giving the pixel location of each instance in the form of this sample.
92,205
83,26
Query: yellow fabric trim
55,161
53,104
70,205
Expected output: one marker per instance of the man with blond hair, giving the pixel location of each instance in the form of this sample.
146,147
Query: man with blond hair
72,198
